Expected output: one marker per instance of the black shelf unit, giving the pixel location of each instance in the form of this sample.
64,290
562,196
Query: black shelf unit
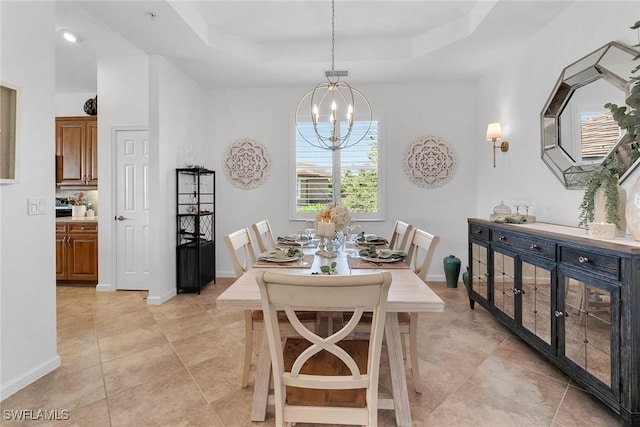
195,228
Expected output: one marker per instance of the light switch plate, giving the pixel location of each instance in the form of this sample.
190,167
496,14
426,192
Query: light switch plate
36,206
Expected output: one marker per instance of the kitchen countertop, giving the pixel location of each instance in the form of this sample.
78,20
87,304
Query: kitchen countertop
72,219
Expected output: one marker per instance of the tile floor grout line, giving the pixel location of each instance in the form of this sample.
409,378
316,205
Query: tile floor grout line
564,394
104,382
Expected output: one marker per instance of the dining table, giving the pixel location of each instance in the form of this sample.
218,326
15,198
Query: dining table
408,293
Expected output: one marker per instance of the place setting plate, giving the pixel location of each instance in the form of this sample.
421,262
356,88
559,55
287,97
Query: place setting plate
381,260
277,260
292,257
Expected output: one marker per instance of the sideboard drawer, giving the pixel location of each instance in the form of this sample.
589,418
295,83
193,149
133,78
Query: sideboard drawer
607,265
521,242
479,232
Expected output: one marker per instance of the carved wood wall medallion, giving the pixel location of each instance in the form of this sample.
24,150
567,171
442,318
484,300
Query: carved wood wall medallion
430,162
246,163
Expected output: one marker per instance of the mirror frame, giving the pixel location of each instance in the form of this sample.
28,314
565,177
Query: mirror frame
586,70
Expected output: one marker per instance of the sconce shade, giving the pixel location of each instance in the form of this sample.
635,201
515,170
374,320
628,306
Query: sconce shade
494,131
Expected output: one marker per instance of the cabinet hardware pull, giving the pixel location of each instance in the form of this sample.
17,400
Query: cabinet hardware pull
478,231
534,246
486,275
516,291
560,314
583,259
502,238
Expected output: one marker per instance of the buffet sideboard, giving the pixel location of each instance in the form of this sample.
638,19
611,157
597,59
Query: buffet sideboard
573,298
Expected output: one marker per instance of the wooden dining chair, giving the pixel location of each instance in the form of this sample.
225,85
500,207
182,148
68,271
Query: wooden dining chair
264,235
421,249
243,257
331,380
400,235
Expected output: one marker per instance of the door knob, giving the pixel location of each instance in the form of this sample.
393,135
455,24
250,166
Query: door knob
119,218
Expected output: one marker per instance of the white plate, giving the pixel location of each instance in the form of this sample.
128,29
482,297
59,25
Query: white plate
287,259
366,258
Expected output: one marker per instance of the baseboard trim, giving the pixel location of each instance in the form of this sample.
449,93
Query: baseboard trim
101,287
36,373
162,298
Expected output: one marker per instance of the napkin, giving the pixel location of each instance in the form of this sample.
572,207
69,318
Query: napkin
280,254
371,239
372,252
388,253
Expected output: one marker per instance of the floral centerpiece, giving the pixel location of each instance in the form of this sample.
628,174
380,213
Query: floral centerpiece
332,221
335,213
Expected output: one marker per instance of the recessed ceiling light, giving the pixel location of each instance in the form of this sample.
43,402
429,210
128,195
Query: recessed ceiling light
69,36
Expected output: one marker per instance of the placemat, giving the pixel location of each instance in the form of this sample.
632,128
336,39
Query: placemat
356,263
305,262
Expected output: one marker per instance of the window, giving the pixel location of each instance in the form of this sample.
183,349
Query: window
354,173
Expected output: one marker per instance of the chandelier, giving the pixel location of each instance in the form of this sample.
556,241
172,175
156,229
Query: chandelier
331,106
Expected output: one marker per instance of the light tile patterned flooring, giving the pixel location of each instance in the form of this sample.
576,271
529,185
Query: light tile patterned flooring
126,363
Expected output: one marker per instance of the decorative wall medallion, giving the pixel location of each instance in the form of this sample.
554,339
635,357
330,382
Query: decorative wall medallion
430,162
246,163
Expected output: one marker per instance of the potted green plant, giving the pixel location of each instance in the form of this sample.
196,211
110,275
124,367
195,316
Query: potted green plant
606,177
628,116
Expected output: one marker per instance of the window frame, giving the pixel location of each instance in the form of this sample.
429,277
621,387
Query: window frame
358,216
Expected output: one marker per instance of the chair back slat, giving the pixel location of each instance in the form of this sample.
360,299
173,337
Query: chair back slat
241,250
264,235
423,245
400,235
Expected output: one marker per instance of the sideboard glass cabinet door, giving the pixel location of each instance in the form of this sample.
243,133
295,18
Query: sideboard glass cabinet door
587,328
536,299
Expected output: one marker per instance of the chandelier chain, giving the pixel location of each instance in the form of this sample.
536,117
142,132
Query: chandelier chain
333,33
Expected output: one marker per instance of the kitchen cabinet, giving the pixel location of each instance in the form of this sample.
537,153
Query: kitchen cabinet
77,149
77,252
574,299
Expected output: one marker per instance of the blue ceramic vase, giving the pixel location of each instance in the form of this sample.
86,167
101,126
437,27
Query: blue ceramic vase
451,270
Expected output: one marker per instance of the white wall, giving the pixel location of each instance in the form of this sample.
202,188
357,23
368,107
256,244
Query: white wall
514,94
123,97
72,104
27,249
178,118
410,111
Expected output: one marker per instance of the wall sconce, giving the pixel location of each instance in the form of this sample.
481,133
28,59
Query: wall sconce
494,133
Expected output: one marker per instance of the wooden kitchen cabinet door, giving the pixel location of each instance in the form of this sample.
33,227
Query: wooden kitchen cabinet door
61,252
77,144
83,253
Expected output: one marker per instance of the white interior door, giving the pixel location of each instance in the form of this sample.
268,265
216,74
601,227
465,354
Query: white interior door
132,209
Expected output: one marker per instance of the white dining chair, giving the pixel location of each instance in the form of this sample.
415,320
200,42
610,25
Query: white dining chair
421,249
400,235
332,379
420,255
243,257
264,235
